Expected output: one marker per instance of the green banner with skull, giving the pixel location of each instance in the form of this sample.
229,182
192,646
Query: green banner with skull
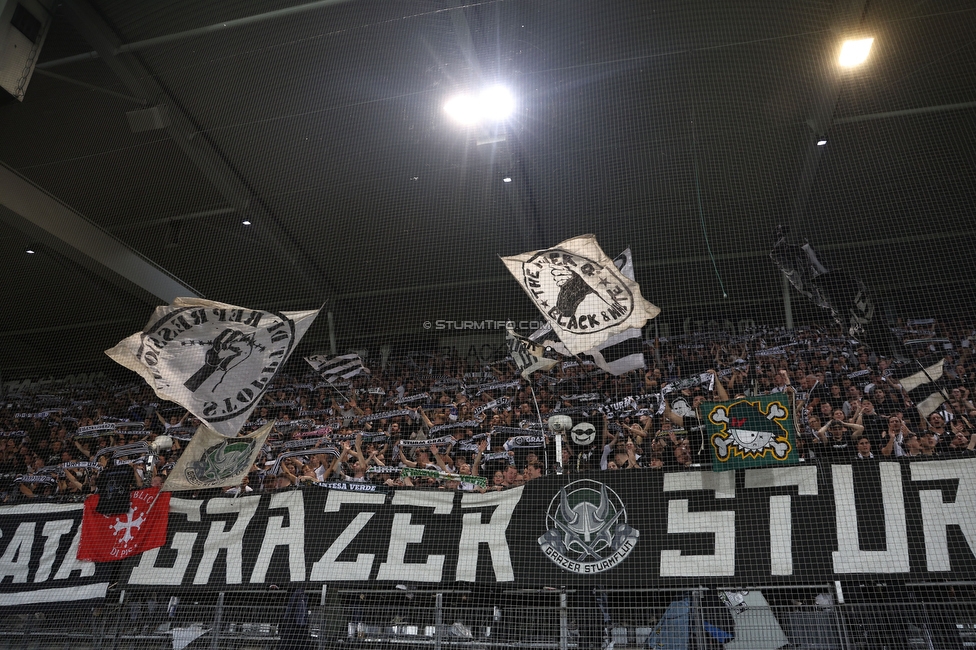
751,432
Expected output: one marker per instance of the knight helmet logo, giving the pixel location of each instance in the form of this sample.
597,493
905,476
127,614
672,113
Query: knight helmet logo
749,432
587,530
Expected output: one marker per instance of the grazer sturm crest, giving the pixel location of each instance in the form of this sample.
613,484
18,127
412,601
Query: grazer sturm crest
587,530
746,430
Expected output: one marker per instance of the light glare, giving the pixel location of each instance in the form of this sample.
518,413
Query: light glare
855,52
462,109
497,103
493,104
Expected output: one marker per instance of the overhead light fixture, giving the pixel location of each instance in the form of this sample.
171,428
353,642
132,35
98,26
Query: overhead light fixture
507,179
494,104
246,222
821,142
30,251
855,52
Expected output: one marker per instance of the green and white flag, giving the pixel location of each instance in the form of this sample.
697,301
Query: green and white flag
751,432
214,461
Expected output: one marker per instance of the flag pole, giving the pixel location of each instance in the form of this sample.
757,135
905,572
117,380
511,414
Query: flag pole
939,388
559,438
334,388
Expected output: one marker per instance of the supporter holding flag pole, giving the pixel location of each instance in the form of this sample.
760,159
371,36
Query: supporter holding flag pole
528,357
215,360
583,296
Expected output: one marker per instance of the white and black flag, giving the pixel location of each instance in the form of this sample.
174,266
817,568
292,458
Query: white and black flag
580,291
620,353
925,388
215,360
526,355
345,366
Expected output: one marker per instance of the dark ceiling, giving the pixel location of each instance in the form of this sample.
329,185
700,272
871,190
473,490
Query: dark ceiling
686,130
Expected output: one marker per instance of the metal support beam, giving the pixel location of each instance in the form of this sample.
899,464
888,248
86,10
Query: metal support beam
195,144
216,28
908,111
83,84
36,213
162,221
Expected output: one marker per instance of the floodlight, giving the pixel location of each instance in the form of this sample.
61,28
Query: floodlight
497,103
463,109
507,179
493,104
246,222
29,251
821,142
855,52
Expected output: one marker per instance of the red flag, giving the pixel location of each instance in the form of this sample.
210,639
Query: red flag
116,537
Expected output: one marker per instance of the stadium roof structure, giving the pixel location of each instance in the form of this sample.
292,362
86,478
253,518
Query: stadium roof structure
151,131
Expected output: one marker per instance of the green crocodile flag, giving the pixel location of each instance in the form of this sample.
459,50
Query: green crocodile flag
751,432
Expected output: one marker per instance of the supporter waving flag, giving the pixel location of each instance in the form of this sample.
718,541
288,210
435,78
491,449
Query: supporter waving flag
345,366
527,355
619,353
213,359
142,527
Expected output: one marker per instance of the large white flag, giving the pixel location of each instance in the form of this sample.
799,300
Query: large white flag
213,461
213,359
622,329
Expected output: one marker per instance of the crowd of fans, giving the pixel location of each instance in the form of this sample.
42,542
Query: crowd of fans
433,420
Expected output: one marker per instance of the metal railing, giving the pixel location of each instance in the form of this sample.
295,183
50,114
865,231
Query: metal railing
544,619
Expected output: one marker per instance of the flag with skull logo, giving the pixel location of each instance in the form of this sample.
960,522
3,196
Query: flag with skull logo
751,432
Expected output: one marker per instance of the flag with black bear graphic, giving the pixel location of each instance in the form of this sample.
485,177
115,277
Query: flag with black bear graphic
619,353
215,360
751,432
580,291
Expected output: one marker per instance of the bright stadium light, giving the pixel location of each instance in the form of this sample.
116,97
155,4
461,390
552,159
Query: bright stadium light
497,104
855,52
493,104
